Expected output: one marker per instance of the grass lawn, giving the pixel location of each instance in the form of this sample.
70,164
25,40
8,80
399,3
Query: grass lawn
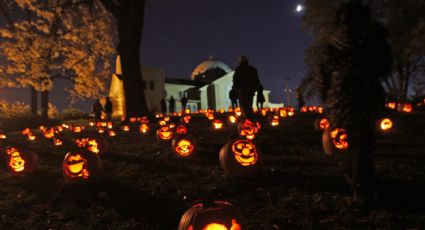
144,185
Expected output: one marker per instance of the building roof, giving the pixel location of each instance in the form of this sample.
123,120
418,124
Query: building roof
209,64
179,81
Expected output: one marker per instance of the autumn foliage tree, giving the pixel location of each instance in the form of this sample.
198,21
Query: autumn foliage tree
47,40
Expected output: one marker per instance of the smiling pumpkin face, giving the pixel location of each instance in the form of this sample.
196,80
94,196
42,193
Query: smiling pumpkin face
248,129
164,133
16,162
75,166
184,147
245,152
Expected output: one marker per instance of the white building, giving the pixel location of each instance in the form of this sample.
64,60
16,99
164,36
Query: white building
208,88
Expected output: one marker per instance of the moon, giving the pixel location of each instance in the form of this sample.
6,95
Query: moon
299,8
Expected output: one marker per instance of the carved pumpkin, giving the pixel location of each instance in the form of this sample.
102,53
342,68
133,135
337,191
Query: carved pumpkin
217,124
304,109
391,105
164,133
20,161
96,145
210,116
110,125
320,109
57,142
183,145
171,125
144,128
162,122
125,128
283,113
248,128
385,124
144,120
240,158
186,119
167,118
111,133
181,130
321,124
232,119
77,129
335,141
407,108
49,133
81,165
220,215
238,111
274,121
2,136
133,119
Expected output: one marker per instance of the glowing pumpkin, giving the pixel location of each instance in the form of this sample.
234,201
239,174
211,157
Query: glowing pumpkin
391,105
240,158
238,111
303,109
183,145
385,124
232,119
144,120
321,124
164,133
217,124
57,142
186,119
80,165
20,161
219,215
335,141
283,113
133,119
181,130
162,122
144,128
210,116
125,128
2,136
111,133
274,122
407,108
49,133
248,128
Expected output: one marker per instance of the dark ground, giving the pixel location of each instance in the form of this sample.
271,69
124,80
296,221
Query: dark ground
145,186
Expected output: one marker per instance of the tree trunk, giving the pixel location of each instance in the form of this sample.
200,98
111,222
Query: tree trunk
130,20
33,101
44,105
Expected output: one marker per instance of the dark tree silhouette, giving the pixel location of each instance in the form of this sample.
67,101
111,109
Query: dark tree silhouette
130,19
353,62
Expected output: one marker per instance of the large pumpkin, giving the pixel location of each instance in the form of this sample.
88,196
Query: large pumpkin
335,141
20,161
81,165
183,145
220,215
240,158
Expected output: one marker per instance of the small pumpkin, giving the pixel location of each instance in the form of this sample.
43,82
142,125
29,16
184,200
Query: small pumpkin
335,141
240,158
219,215
232,119
183,145
248,129
217,124
21,161
385,124
321,124
144,128
181,130
80,166
164,133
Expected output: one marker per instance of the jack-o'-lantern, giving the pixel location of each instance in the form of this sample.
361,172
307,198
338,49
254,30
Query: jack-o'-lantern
321,124
263,112
291,113
77,128
2,136
57,142
164,133
320,109
240,158
181,130
248,129
144,128
183,145
59,128
101,130
162,122
210,116
171,125
283,113
407,108
385,124
391,105
217,124
335,141
125,128
111,133
238,111
81,142
80,165
186,119
91,123
49,133
303,109
219,215
232,119
133,119
167,118
274,122
144,120
187,111
20,161
109,125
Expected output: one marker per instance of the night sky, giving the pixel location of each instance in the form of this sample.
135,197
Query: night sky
178,35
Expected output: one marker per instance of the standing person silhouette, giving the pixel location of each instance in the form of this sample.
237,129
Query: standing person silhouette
163,106
260,98
183,101
97,110
171,105
108,108
233,96
246,82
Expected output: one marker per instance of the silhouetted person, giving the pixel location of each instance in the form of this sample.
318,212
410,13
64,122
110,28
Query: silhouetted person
183,100
260,98
233,96
97,110
163,106
171,105
108,108
246,82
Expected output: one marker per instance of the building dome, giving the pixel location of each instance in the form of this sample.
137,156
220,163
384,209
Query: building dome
209,64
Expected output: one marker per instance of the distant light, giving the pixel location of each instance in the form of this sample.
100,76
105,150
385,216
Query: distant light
299,8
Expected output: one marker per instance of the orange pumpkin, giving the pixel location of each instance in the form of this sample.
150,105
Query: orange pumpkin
385,124
321,124
219,215
335,141
240,158
181,130
81,165
20,161
144,128
183,145
248,129
164,133
217,124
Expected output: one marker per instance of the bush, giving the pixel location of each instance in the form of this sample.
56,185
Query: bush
71,113
13,110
